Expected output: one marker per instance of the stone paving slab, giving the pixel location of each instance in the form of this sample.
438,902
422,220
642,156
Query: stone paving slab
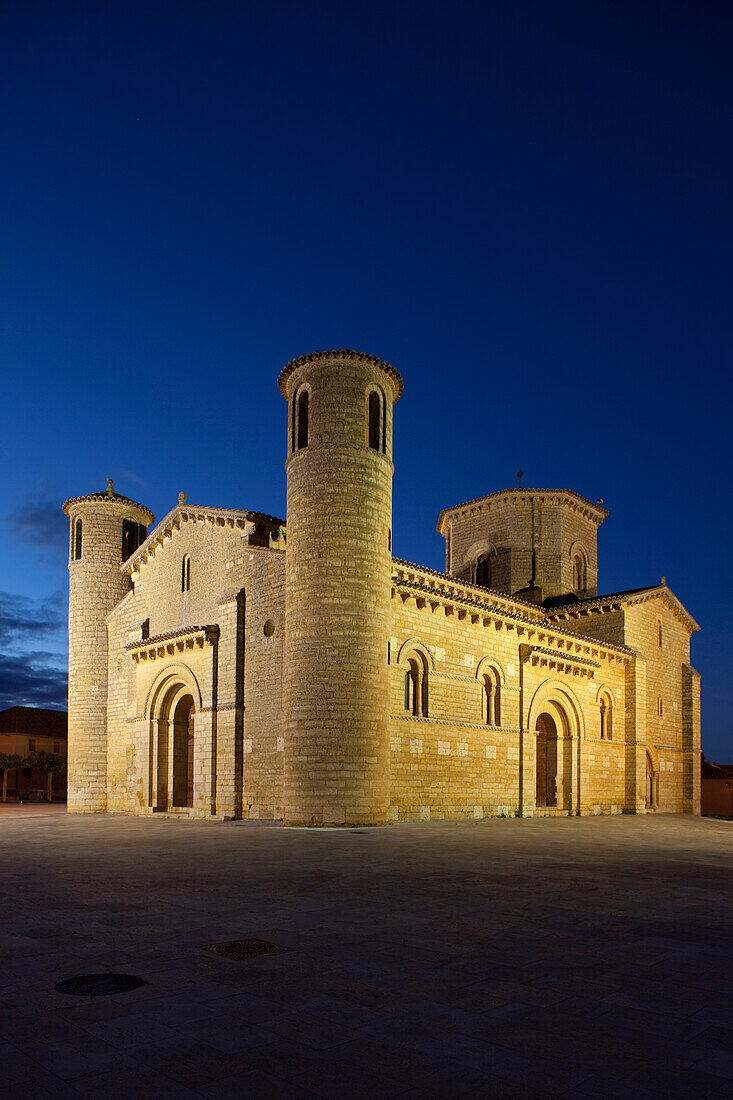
582,958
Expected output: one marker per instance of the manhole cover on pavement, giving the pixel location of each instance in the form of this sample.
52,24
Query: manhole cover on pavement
244,949
99,985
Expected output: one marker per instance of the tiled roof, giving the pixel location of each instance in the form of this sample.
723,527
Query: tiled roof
630,595
485,595
39,720
521,491
573,603
173,635
109,498
234,516
469,584
343,353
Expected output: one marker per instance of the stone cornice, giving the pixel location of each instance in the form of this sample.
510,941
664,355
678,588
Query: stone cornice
617,600
344,353
594,512
452,585
242,519
109,498
421,719
564,662
173,643
412,581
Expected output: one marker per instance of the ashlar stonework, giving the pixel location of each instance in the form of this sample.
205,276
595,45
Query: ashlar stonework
228,664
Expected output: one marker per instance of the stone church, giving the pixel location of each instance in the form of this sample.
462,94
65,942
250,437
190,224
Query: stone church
227,664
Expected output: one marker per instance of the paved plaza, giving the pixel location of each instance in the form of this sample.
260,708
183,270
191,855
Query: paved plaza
573,957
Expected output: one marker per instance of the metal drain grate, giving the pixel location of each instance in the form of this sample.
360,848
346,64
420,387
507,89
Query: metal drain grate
99,985
244,949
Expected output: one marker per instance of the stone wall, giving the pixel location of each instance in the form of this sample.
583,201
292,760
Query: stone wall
337,613
508,524
231,670
449,761
96,586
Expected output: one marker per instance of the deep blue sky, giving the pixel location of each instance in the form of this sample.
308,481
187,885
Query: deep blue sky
526,207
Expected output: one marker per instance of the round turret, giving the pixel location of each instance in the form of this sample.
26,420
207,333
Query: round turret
338,581
105,528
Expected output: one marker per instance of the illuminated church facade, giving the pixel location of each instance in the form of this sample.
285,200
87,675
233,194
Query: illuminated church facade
225,664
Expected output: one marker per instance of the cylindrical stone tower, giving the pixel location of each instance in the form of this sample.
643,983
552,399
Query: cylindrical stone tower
338,568
105,528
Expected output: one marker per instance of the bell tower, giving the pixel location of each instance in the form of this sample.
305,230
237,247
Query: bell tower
338,568
105,528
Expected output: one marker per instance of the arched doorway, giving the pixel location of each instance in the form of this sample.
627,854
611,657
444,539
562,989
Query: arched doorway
547,746
182,730
172,748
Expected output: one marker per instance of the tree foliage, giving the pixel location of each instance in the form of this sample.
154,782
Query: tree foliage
10,761
49,763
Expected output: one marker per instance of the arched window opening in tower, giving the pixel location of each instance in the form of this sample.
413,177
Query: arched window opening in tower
77,539
377,421
301,434
374,419
483,571
492,699
578,573
186,573
133,534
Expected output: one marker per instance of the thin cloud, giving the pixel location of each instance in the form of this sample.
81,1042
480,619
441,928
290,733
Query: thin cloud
33,681
24,621
40,522
129,475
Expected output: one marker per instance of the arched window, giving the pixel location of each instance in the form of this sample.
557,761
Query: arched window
186,573
77,539
492,698
301,426
377,419
659,633
483,571
133,534
606,708
416,686
660,707
578,573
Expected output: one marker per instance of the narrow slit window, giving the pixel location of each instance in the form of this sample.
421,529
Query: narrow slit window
375,419
659,634
77,539
302,429
186,573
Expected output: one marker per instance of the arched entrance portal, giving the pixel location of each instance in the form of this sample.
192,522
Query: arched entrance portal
547,745
182,729
555,719
172,749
